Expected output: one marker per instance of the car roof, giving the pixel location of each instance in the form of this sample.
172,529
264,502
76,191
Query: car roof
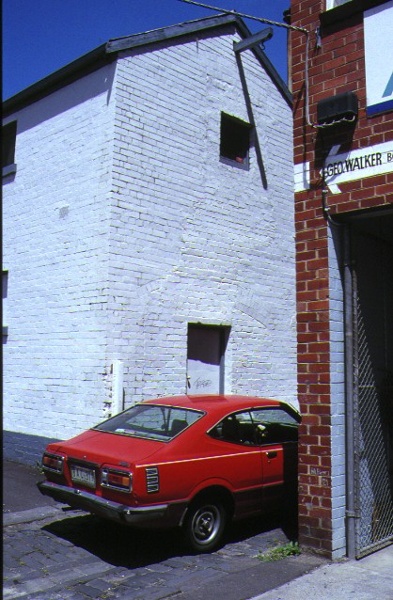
217,404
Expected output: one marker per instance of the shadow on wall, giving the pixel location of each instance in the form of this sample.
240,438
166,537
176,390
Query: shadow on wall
251,119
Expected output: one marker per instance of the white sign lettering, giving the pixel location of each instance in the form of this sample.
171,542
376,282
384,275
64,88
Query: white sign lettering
351,166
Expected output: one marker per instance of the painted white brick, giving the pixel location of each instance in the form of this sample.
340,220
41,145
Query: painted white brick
338,403
122,226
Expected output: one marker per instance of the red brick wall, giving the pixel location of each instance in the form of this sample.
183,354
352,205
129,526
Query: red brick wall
337,66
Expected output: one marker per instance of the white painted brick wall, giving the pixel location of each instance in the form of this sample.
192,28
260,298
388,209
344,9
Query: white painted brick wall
337,374
203,241
56,218
123,227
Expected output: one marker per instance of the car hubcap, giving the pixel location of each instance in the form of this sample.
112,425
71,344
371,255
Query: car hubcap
206,523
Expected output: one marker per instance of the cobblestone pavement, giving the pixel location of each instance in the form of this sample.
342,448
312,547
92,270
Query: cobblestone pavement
74,556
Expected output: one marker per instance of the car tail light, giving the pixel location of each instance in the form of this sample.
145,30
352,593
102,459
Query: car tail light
53,463
116,480
152,480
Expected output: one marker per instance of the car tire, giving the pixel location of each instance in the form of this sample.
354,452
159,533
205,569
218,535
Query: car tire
205,524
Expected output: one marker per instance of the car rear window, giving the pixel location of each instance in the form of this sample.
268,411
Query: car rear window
151,421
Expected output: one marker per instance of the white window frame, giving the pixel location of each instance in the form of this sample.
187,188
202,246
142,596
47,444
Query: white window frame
334,3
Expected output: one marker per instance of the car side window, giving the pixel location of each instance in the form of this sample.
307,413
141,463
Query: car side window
237,428
257,427
275,426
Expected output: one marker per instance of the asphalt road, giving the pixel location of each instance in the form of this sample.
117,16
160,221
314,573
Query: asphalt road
19,488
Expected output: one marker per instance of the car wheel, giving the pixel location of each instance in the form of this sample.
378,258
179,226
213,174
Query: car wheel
205,525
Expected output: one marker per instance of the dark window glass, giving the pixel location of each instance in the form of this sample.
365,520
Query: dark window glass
5,295
237,428
8,137
275,426
257,427
235,140
155,422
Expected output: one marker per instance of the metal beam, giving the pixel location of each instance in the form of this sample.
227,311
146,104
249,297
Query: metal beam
253,40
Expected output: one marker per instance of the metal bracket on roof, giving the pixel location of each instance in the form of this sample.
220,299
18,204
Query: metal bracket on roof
253,40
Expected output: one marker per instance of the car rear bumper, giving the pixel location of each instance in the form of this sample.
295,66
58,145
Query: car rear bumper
159,515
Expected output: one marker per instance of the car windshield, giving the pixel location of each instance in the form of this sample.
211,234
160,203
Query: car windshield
151,421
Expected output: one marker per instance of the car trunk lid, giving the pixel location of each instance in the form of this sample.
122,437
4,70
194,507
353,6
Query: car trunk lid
100,448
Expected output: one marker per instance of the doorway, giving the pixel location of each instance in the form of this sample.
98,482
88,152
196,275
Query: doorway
371,247
206,348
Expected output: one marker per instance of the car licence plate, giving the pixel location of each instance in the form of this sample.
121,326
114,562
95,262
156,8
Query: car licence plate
82,475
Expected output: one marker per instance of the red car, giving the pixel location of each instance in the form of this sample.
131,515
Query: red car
189,461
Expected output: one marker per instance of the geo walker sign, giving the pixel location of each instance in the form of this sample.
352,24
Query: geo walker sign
357,164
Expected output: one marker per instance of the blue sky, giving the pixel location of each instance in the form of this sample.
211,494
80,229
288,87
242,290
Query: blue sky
41,36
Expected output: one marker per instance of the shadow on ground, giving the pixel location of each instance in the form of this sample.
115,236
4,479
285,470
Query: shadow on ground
122,546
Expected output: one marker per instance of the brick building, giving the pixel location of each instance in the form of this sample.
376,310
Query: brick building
148,231
343,154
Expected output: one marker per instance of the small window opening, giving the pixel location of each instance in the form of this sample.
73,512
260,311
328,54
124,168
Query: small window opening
8,138
206,349
4,299
235,141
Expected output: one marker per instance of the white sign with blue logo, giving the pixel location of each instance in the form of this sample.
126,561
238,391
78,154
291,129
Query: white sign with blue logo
378,40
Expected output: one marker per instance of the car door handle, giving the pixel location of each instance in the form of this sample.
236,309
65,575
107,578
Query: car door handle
272,454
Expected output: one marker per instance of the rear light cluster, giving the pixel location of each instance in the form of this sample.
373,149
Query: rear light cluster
53,463
116,480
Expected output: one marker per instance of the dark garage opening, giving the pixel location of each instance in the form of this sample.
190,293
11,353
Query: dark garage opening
371,248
